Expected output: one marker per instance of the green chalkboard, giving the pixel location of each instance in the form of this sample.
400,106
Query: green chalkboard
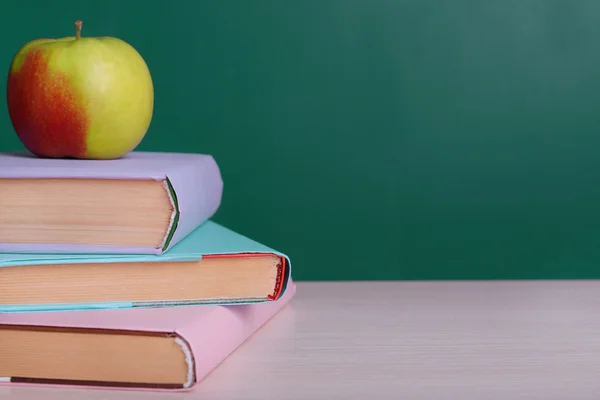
375,139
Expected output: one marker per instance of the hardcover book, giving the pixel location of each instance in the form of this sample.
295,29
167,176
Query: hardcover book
211,265
143,203
154,348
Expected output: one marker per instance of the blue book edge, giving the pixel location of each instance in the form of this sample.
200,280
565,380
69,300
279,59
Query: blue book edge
208,239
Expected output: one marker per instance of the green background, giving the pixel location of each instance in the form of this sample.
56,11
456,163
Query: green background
374,139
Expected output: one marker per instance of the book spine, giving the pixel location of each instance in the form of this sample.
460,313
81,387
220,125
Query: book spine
196,190
214,338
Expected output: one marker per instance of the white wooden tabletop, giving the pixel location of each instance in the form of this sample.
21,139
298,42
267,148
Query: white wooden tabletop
408,340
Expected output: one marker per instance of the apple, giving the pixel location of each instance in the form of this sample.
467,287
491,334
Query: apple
80,97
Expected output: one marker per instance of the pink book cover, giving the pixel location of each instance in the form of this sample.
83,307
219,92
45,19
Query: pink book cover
193,182
207,335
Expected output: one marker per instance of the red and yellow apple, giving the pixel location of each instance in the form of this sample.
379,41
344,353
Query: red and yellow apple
80,97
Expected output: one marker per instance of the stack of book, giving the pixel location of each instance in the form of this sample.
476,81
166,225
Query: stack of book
112,273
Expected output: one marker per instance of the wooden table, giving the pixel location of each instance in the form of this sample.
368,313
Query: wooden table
408,340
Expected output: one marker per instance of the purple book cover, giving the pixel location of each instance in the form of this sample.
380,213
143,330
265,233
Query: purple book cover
195,181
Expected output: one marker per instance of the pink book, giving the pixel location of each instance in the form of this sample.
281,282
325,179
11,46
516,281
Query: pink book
154,349
143,203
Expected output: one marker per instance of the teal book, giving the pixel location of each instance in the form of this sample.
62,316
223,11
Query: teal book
213,265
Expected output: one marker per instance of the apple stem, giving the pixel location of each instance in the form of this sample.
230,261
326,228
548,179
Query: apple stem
78,25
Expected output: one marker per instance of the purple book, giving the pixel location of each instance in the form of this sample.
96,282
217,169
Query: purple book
143,203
